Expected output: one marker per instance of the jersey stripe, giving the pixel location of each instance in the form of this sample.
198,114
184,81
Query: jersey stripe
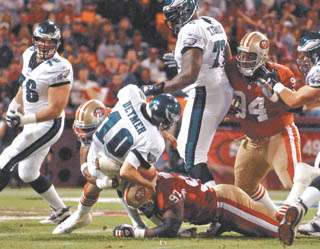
195,125
50,134
292,142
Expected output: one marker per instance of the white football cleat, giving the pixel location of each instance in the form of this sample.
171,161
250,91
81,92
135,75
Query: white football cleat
311,228
75,221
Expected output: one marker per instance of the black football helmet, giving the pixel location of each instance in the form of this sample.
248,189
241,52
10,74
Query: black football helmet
309,51
46,39
164,110
179,12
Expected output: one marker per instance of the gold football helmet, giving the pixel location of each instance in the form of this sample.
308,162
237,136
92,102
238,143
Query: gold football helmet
88,117
252,52
137,195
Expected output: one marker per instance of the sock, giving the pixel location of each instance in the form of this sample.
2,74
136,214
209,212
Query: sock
133,215
310,196
53,198
262,196
90,195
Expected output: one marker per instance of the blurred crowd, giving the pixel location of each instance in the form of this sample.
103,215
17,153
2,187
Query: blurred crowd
113,42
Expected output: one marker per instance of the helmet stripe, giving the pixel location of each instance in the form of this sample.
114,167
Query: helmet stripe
83,109
249,38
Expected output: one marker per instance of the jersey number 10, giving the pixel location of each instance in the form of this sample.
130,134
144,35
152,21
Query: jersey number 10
121,142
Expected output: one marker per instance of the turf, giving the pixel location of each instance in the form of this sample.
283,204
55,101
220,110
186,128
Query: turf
29,233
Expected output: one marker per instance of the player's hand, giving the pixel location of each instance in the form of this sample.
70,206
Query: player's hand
270,77
13,119
154,89
235,108
123,230
170,138
267,90
169,61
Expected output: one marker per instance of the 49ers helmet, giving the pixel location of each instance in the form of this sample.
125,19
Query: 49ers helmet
137,196
88,117
252,52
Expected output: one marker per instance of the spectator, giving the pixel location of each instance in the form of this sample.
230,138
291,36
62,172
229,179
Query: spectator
139,45
154,64
110,47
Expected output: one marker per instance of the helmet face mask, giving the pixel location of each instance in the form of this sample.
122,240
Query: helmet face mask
164,111
252,53
46,40
179,12
308,51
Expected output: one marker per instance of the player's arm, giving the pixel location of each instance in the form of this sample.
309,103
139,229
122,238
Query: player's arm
306,95
17,102
190,67
130,173
58,98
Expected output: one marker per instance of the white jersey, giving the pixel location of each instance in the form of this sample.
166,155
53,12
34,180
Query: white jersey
126,134
207,34
35,82
313,77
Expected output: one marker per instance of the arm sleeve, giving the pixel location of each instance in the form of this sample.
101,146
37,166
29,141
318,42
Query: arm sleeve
192,37
131,92
313,78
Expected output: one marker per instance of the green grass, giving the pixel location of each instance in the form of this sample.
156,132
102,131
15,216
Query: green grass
27,234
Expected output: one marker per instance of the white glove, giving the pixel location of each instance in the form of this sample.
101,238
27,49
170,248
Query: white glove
104,182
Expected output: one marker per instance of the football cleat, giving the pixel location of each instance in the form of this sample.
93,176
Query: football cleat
57,216
75,221
311,228
287,227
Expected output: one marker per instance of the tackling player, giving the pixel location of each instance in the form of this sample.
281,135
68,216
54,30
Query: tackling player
178,198
36,107
128,141
308,95
271,138
200,55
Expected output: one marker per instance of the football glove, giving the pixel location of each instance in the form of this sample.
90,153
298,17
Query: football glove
169,61
235,108
13,119
154,89
128,231
271,77
267,90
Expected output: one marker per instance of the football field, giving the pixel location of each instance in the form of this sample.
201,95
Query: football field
21,210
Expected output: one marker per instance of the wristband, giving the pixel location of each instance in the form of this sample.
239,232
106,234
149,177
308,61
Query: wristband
28,119
278,88
139,232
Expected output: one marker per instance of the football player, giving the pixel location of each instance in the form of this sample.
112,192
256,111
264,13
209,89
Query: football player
178,198
271,139
308,96
128,141
200,55
36,107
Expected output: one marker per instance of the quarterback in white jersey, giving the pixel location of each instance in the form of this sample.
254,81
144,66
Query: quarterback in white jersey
200,55
127,140
307,96
38,107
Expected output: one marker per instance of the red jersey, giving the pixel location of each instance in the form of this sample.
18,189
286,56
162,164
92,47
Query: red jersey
199,202
259,116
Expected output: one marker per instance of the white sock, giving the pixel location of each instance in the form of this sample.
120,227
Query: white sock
310,196
82,209
53,198
210,184
263,197
133,215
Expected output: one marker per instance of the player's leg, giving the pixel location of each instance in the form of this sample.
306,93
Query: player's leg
203,113
81,217
297,210
251,168
34,137
238,212
303,173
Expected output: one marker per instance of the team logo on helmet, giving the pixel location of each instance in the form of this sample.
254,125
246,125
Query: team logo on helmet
264,44
99,112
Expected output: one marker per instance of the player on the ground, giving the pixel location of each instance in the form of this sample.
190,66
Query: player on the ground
308,95
200,55
182,199
127,143
36,107
272,140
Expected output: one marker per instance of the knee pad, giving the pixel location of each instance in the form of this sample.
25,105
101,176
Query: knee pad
27,175
201,171
305,173
41,184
